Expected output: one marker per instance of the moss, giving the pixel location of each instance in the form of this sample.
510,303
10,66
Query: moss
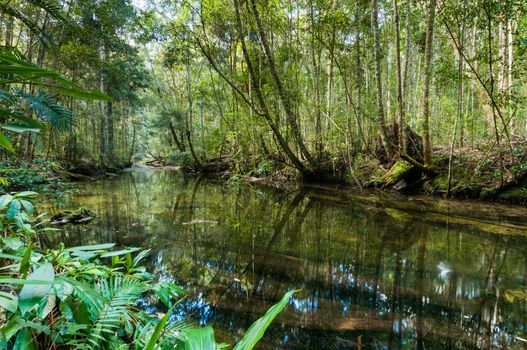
438,184
398,215
397,172
514,195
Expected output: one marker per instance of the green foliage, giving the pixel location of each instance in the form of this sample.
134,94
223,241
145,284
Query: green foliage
39,175
179,158
265,167
15,69
86,297
203,338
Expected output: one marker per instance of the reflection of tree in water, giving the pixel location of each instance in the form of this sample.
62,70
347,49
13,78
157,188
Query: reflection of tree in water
385,275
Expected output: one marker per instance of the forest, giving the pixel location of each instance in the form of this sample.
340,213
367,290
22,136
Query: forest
288,90
411,97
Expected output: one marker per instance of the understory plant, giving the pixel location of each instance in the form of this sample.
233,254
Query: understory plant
89,297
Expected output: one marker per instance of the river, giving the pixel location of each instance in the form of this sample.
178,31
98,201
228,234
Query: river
376,269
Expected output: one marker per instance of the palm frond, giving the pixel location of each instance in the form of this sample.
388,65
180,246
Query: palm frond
30,24
52,8
45,106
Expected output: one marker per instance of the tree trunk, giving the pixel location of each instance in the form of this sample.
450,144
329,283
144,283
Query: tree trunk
104,157
378,80
428,77
400,106
263,110
189,120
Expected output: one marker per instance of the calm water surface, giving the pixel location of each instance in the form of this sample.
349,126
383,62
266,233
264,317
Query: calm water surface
387,272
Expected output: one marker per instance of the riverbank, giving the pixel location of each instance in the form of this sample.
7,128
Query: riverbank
468,173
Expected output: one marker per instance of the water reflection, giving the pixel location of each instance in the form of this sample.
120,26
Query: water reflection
385,274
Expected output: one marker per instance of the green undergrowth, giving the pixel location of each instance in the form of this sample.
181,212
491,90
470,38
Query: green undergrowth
88,297
39,175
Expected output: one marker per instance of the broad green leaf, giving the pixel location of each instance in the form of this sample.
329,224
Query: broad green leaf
18,128
200,339
47,307
119,252
8,301
31,295
258,328
27,205
12,242
14,209
7,280
6,144
10,256
158,330
26,194
24,340
92,247
11,328
5,200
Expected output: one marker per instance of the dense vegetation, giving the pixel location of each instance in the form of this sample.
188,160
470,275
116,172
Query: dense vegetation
317,88
417,94
88,297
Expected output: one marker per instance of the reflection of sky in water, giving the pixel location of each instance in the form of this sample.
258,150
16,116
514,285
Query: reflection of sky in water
393,277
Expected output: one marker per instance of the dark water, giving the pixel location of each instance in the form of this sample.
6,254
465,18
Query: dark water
388,272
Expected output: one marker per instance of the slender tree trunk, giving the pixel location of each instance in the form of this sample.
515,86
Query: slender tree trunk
316,85
189,119
378,80
103,136
428,77
400,106
510,29
111,134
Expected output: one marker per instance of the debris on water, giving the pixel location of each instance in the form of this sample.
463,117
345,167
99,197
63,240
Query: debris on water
195,222
80,216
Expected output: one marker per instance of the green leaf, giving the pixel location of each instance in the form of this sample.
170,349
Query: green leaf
31,295
86,248
24,264
13,243
5,200
18,128
27,205
6,144
258,328
119,252
10,256
26,194
14,209
24,341
8,301
158,330
200,339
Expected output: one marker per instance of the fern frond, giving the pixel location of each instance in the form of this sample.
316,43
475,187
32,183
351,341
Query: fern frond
118,297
